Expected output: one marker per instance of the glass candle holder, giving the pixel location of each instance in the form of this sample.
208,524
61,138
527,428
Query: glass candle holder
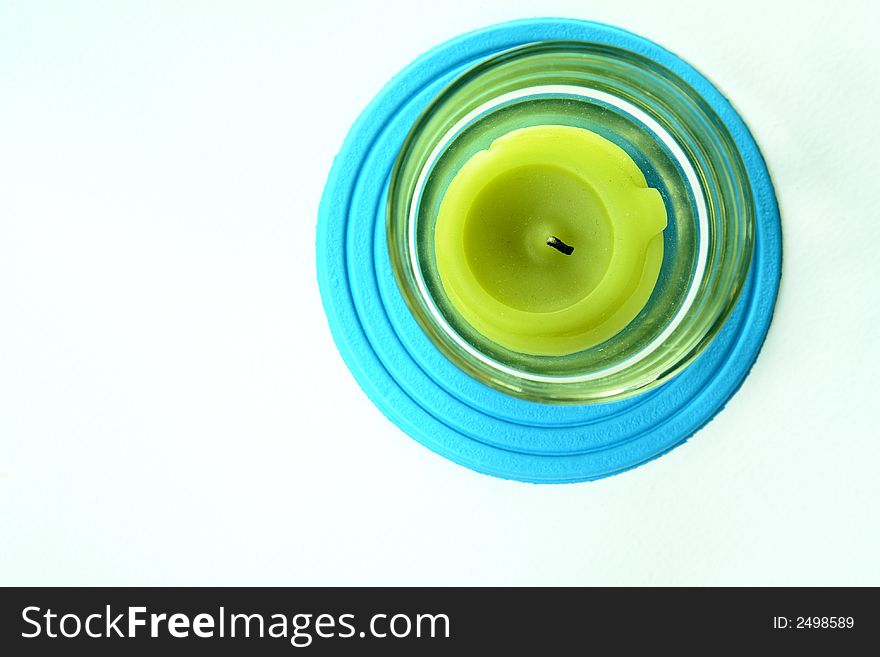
679,144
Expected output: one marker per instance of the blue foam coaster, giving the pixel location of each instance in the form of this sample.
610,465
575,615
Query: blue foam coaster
427,396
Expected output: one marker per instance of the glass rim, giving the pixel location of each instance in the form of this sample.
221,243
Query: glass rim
408,268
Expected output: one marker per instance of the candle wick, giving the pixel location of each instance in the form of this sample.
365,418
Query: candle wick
559,245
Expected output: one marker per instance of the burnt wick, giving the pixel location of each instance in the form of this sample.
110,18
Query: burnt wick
559,245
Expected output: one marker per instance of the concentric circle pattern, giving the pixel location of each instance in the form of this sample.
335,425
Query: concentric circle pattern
439,405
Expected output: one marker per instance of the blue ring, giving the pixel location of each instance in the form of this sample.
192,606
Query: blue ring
427,396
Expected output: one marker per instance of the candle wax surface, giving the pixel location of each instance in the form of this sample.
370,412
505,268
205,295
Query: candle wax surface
506,202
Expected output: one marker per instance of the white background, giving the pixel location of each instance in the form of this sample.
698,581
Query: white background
173,409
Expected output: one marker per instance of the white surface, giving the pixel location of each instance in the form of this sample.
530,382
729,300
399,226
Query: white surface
172,407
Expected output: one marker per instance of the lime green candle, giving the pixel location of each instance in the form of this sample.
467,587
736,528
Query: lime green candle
550,241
